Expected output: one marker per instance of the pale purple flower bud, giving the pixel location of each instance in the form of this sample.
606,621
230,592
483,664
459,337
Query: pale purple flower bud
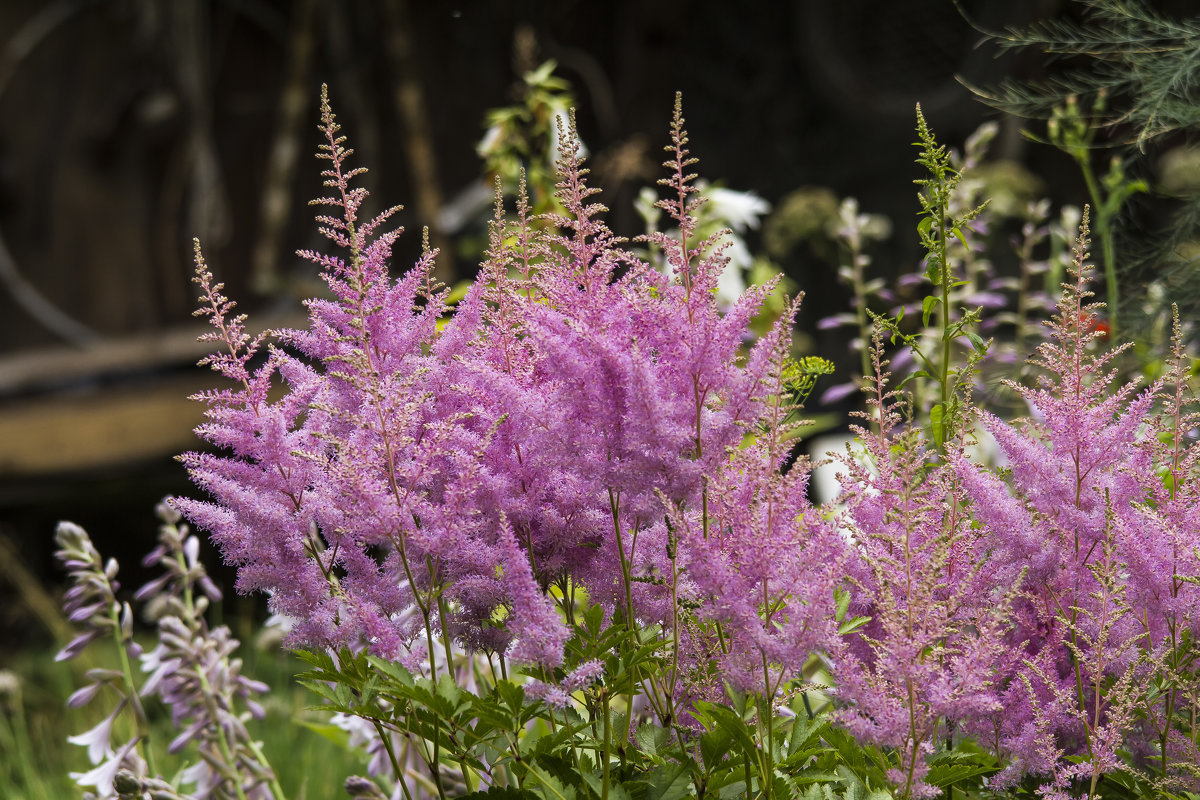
363,788
77,645
81,697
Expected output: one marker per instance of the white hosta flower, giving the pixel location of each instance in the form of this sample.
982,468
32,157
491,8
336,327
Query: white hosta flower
102,775
490,138
738,210
98,739
643,204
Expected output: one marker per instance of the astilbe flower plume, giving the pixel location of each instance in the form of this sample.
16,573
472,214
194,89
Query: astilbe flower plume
762,560
611,410
361,494
432,472
1105,546
925,661
628,394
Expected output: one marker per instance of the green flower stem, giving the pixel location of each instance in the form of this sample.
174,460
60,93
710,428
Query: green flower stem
131,691
605,768
222,740
626,578
386,738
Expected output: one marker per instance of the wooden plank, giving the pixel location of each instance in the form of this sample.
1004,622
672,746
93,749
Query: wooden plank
67,409
100,428
51,367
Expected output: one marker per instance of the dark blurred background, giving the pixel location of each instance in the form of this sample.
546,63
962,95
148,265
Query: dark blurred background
132,126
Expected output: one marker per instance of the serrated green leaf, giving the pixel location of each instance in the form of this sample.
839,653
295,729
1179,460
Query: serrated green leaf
852,625
669,782
735,726
714,745
937,422
954,773
804,732
977,342
732,790
812,776
552,788
842,598
652,738
933,269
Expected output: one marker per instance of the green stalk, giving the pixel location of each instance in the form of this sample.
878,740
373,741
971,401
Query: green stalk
210,703
944,265
765,718
391,751
1107,243
435,762
139,712
222,740
605,774
626,578
443,612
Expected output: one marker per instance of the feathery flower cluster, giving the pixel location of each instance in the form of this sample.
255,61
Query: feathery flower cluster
925,660
568,425
1099,513
434,478
1048,609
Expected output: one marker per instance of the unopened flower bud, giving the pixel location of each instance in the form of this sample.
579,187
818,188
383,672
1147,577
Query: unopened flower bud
126,620
126,784
363,788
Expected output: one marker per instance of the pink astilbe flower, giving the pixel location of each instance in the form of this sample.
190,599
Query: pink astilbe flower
361,494
433,472
926,660
761,558
621,389
1104,546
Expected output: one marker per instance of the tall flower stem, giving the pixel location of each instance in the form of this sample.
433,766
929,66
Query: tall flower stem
131,690
614,499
